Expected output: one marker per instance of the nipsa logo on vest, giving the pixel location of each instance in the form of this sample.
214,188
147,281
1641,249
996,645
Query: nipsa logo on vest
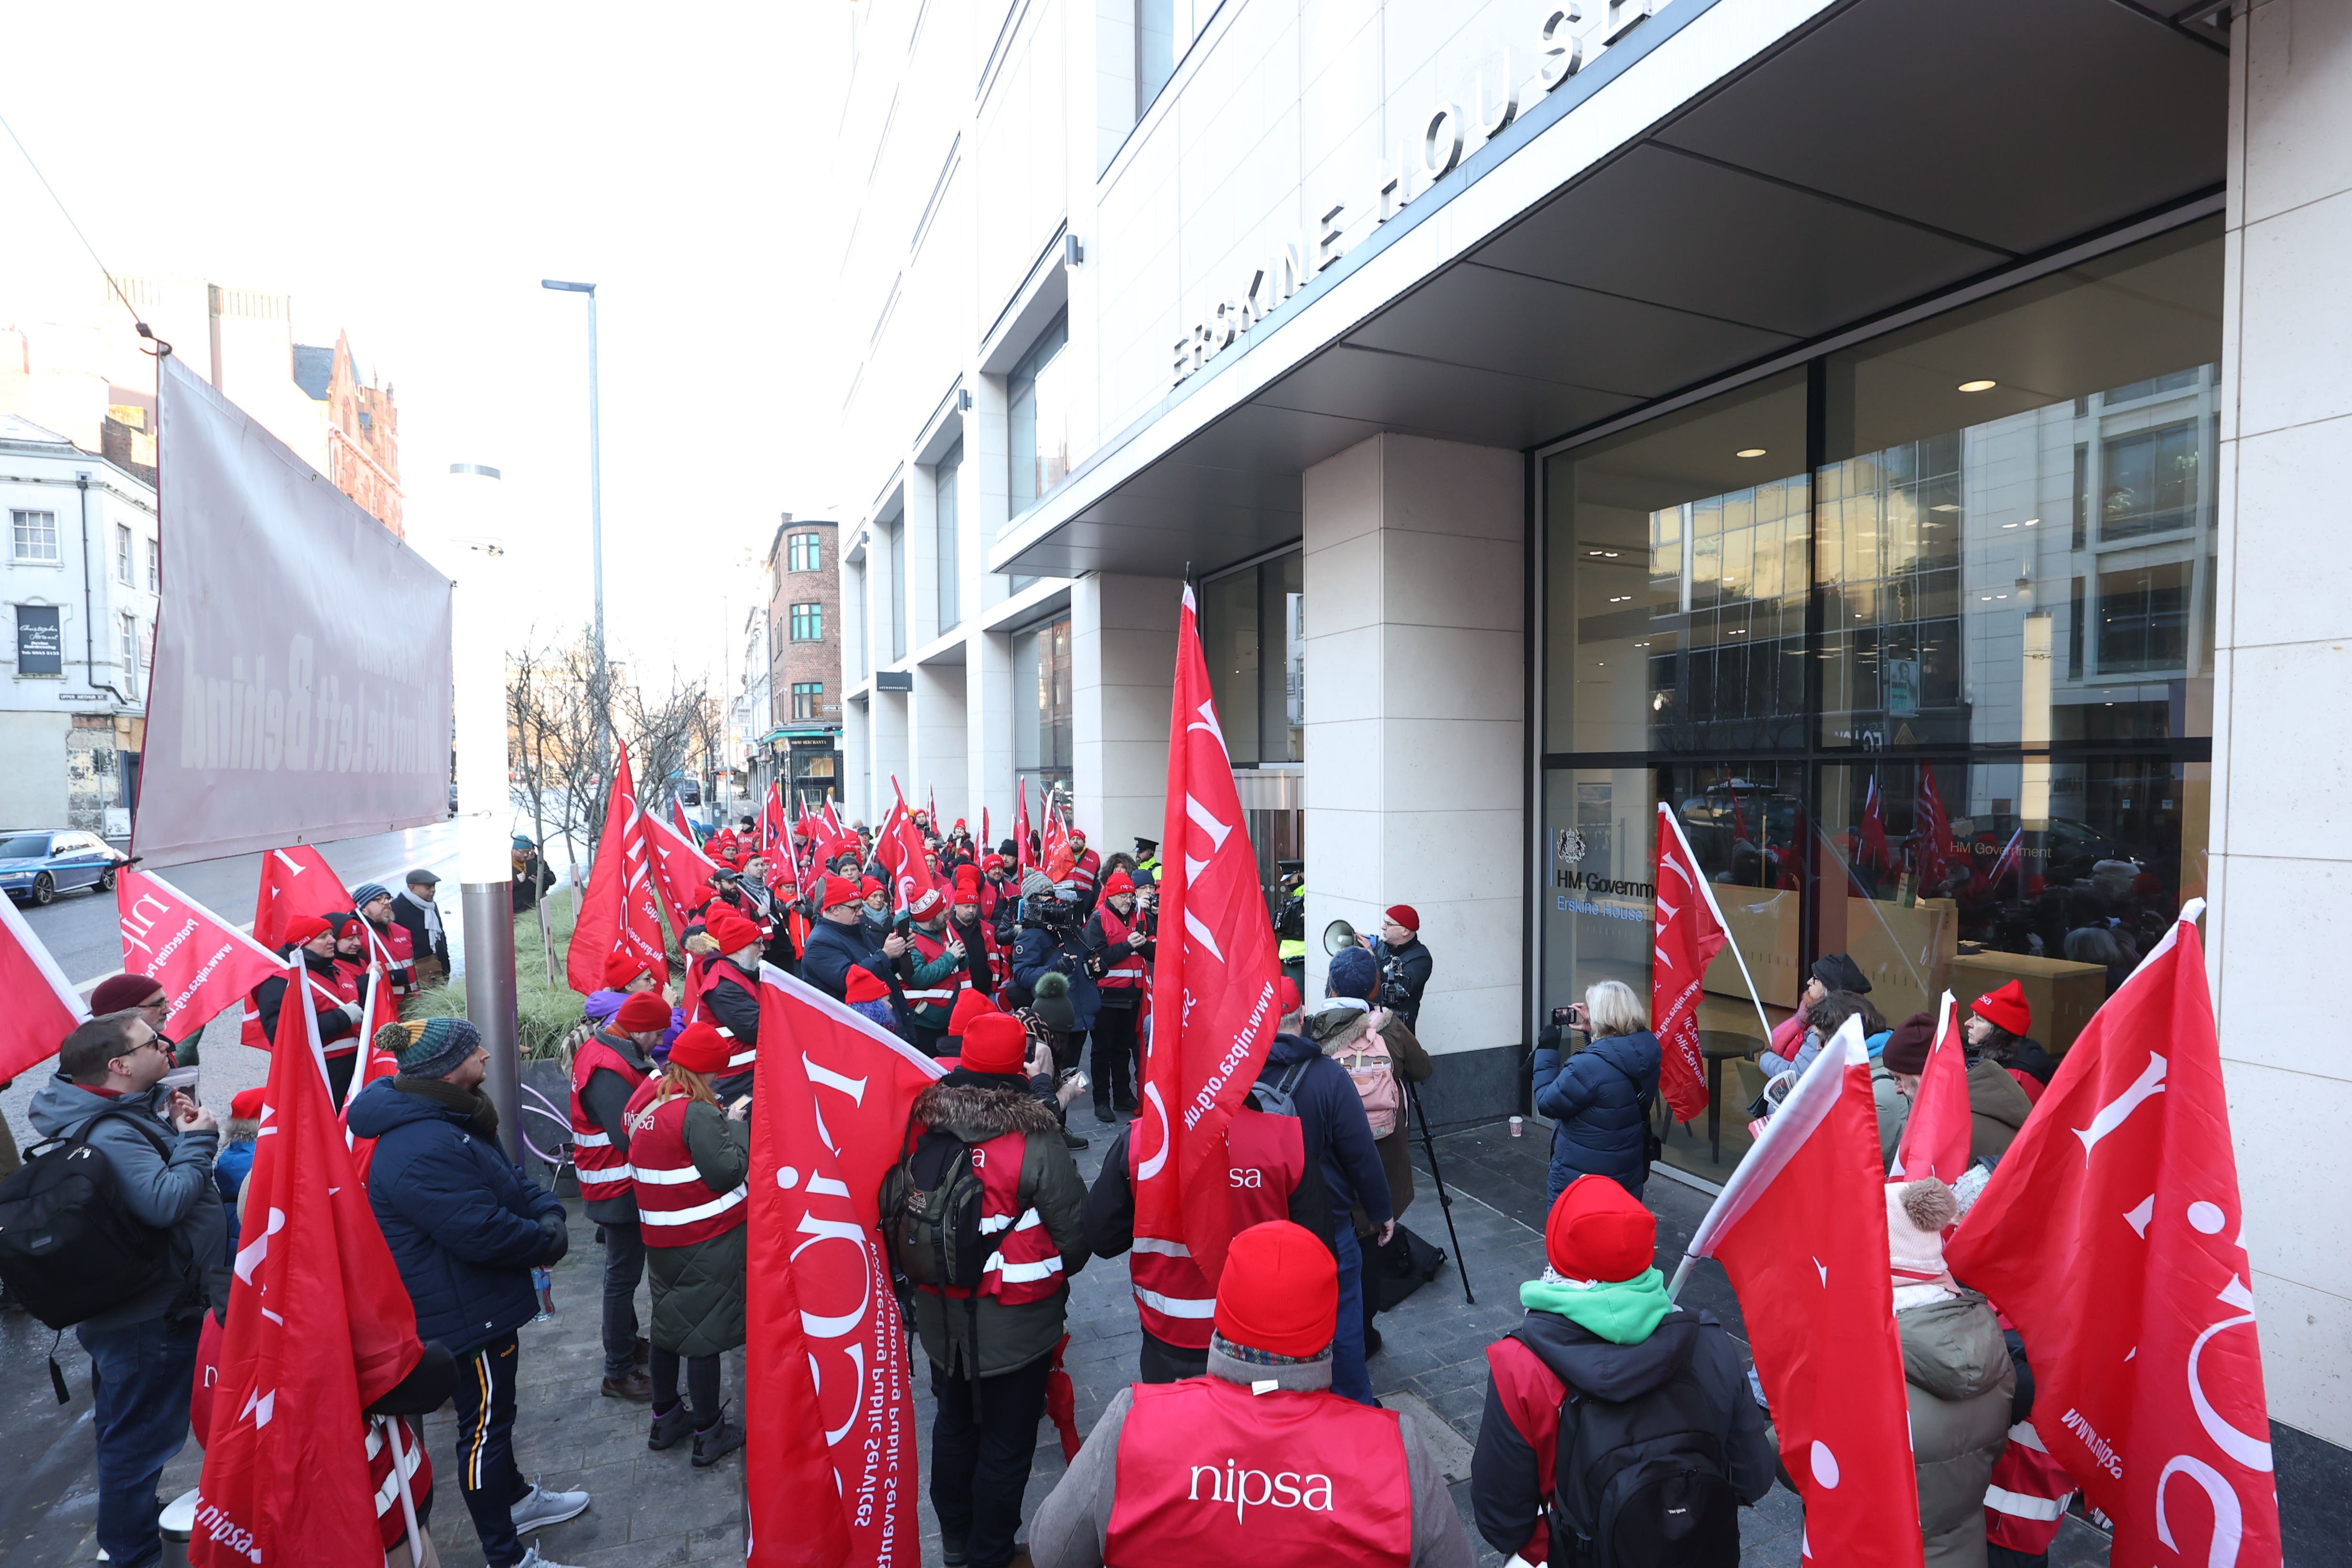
1288,1489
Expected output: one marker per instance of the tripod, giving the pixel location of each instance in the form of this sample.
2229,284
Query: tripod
1445,1200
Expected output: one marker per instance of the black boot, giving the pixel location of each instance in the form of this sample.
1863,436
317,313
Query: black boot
716,1441
671,1428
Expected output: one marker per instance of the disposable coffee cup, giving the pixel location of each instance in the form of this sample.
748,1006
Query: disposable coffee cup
1518,1126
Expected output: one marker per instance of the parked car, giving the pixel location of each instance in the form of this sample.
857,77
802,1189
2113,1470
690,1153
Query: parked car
37,864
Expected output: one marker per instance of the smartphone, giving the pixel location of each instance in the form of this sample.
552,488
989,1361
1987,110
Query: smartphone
1077,1076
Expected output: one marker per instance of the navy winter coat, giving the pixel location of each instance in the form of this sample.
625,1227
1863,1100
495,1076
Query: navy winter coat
461,1218
1595,1101
1037,952
1332,1125
833,949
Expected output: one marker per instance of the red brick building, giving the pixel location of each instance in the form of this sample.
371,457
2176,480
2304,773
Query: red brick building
805,655
362,428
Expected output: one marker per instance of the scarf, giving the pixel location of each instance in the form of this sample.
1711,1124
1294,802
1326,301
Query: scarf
482,1115
1623,1313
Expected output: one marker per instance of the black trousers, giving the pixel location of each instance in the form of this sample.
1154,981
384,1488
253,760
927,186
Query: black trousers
1114,1056
486,1463
624,1266
701,1386
1163,1363
930,1042
980,1452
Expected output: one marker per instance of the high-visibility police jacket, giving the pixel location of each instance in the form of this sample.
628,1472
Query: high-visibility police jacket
675,1206
1266,1157
600,1163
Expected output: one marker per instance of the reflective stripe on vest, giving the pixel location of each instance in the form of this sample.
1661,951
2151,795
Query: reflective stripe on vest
603,1169
1266,1156
676,1207
1026,1266
721,969
1207,1472
2026,1503
1128,973
932,949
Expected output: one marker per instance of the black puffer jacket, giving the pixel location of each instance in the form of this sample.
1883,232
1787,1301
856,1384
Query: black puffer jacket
1597,1102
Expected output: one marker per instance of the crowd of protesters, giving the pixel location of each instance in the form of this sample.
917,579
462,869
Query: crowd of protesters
1252,1426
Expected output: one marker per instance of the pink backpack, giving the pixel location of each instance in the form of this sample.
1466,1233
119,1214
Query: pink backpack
1368,1062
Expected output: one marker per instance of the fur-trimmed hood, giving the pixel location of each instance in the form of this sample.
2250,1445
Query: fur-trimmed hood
1336,1022
976,1114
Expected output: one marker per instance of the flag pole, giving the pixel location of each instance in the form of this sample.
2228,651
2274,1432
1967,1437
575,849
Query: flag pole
407,1497
1730,937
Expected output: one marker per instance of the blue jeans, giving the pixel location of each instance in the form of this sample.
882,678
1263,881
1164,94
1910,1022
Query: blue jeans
140,1377
1349,1377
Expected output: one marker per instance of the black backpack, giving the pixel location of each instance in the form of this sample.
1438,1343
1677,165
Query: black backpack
70,1248
1642,1484
931,1202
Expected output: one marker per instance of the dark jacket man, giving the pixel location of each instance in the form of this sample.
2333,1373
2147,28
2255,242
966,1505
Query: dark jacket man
837,946
1063,949
416,911
1418,964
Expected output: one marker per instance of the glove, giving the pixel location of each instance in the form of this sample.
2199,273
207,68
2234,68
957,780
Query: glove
355,1011
559,1240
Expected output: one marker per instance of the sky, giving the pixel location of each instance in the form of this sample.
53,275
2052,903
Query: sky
409,174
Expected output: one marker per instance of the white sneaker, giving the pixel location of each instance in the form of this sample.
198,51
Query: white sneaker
539,1508
531,1559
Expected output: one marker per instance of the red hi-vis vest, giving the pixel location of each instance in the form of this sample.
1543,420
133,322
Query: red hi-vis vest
1128,970
1026,1266
392,1524
1266,1156
399,950
1209,1472
604,1170
717,969
675,1206
943,995
2027,1500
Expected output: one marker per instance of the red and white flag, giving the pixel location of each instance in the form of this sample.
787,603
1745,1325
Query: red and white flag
1023,855
985,847
318,1327
1057,837
681,871
1871,850
1932,850
829,1410
1936,1134
1690,932
899,849
1213,997
618,914
204,965
43,1006
295,882
1800,1227
680,821
2111,1236
774,837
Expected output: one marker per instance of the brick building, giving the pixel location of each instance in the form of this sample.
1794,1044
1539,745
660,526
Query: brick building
362,428
805,655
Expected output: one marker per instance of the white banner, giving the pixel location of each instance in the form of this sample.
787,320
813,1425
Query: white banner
301,683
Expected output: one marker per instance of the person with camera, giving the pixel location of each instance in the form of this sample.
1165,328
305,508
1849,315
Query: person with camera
1404,963
940,965
158,1146
1599,1101
1119,947
1053,943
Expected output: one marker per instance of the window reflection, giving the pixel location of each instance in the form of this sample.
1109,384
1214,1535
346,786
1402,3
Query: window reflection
1037,417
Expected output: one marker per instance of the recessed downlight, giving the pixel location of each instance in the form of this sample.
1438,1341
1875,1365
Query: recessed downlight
1749,452
1979,385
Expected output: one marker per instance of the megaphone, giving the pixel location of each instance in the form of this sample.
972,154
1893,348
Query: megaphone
1338,937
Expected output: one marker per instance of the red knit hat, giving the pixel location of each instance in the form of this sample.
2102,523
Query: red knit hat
302,928
1598,1230
872,885
701,1048
969,1005
119,992
967,884
992,862
643,1014
1406,916
350,925
622,968
925,904
1077,836
838,890
862,985
1280,1291
1291,1001
1117,883
2005,1008
730,929
245,1104
994,1042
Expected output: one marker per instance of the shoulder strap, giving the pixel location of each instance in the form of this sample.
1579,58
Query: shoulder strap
81,1134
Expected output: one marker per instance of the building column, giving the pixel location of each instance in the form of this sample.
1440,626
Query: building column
1413,572
988,751
2280,871
1122,680
891,757
936,764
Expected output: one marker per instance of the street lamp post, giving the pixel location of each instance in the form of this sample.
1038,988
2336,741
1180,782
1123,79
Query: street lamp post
595,493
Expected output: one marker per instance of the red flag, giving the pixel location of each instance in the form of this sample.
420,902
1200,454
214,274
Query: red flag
1936,1134
2112,1237
295,881
679,820
681,871
617,913
204,965
899,847
43,1007
318,1327
985,847
829,1410
1690,932
1024,857
774,837
1933,851
1872,850
1800,1228
1057,835
1214,1010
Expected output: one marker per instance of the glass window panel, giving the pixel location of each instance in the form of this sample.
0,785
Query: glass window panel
1230,631
1037,418
1155,49
1041,709
944,483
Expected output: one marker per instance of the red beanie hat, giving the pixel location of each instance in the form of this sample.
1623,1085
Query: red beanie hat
862,985
622,968
1291,1001
302,928
967,884
992,862
118,992
1406,916
701,1048
245,1104
642,1014
1118,881
350,925
838,890
1280,1291
925,904
2005,1008
994,1042
872,885
730,929
969,1005
1598,1230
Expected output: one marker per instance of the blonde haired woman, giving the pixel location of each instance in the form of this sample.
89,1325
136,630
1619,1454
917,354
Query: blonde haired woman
1600,1098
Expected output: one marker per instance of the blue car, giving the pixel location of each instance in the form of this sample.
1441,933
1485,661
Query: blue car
36,865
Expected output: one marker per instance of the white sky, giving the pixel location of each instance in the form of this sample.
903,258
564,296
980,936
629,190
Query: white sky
409,173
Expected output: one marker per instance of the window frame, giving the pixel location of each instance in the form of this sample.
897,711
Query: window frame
18,523
807,622
813,545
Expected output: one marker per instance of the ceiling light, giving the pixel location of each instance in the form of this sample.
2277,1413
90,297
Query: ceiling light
1979,385
2031,521
2009,525
1610,553
1945,506
1749,452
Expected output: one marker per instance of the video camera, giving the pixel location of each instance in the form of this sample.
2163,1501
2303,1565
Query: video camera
1049,911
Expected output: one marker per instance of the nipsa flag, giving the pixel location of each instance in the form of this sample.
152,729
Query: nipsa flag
1690,932
1936,1134
618,914
681,871
2112,1237
204,965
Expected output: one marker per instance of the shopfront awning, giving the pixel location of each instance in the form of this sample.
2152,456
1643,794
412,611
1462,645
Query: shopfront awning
1734,181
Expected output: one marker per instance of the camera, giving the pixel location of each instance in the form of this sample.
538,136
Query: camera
1048,912
1559,1016
1393,991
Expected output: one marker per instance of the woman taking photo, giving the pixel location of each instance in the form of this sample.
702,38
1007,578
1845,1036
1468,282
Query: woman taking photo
1599,1100
689,1156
